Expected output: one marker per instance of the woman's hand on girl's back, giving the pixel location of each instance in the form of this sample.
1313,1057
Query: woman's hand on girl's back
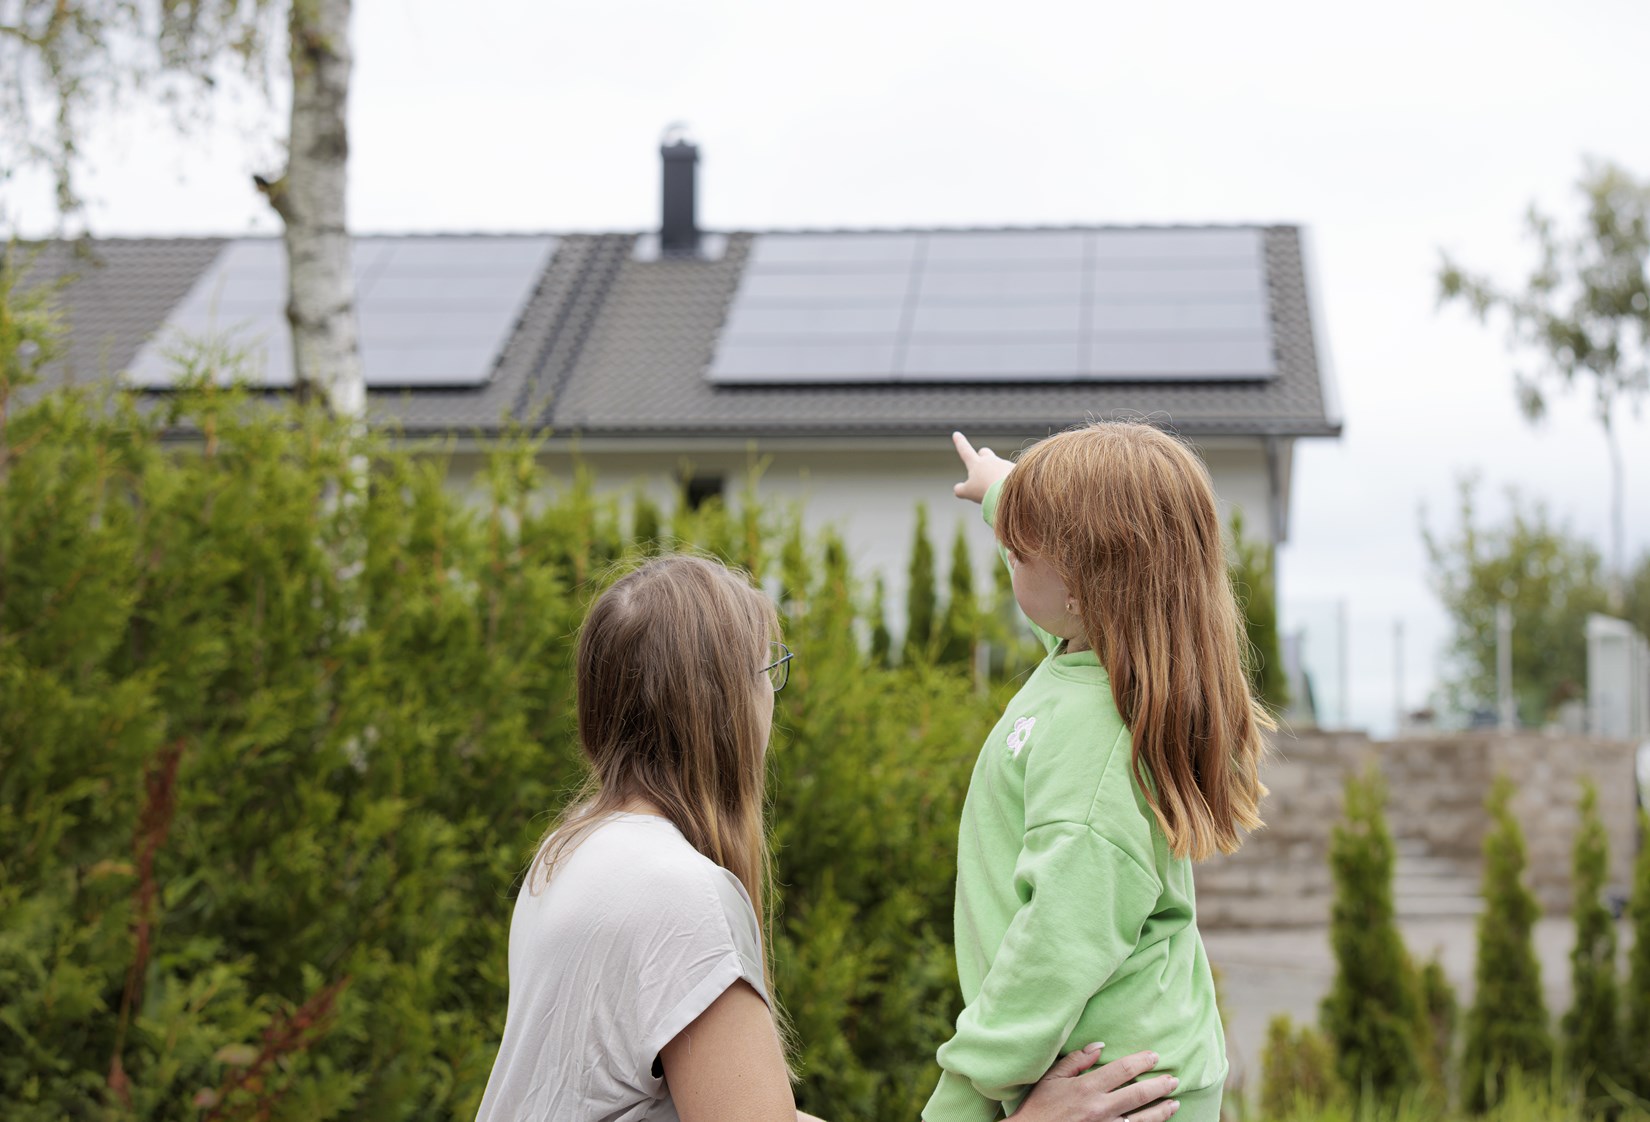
984,468
1065,1094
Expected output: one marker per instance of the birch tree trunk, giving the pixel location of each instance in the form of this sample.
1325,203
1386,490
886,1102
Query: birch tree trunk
310,198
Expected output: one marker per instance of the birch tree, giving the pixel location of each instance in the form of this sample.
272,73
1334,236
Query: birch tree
62,63
310,198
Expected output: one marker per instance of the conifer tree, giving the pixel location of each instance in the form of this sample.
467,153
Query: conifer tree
882,643
1636,1039
795,571
1297,1069
920,597
962,610
646,524
1507,1028
1591,1032
1372,1013
1439,1010
1254,584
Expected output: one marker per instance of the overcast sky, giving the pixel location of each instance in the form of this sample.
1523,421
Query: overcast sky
1387,131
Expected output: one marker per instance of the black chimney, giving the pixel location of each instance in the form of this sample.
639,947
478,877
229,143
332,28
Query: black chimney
679,232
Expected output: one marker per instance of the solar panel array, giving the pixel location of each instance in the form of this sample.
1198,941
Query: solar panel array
433,312
1000,306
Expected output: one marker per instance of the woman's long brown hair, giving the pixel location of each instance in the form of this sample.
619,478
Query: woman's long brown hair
1126,516
669,681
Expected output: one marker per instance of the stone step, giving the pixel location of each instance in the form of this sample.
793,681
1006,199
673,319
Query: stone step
1435,886
1411,847
1436,907
1431,867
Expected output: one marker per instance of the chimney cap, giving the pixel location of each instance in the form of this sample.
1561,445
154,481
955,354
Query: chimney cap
677,134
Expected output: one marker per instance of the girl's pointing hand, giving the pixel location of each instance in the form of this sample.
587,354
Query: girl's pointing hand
984,468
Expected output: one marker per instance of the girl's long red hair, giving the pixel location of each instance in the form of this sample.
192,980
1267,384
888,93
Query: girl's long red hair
1126,515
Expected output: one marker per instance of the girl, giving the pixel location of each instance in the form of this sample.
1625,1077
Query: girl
638,967
1131,751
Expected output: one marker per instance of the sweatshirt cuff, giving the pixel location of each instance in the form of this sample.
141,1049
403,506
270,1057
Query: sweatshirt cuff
956,1100
988,505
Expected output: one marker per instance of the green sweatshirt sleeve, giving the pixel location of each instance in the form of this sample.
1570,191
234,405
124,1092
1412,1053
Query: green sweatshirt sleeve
1086,902
988,511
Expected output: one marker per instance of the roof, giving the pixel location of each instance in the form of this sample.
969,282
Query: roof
613,344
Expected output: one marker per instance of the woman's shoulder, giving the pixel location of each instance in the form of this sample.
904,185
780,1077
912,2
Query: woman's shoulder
644,859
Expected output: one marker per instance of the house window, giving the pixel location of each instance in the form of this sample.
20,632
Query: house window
697,490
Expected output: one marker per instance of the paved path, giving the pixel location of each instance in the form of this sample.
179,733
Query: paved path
1265,972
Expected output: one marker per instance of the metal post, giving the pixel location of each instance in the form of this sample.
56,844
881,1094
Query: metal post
1346,668
1506,706
1398,674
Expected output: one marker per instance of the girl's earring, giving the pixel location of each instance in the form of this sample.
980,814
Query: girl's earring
1071,607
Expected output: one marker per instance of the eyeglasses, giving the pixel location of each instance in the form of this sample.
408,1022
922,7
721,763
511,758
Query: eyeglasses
779,670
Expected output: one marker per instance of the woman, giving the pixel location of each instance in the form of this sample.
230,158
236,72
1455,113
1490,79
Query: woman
638,966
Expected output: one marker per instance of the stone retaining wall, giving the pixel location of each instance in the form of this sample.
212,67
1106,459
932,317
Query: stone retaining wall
1436,788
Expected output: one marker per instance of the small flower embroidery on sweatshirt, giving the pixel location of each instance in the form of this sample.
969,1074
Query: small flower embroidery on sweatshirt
1017,739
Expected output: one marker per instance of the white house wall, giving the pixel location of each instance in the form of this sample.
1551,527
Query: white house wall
867,494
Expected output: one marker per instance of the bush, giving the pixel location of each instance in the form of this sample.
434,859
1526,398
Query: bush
1592,1033
1297,1070
961,625
1372,1013
1507,1031
262,817
1255,586
1636,1039
1439,1011
920,597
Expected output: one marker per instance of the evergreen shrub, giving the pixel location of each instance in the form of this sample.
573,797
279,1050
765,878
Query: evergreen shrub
262,817
1254,583
921,600
1636,1038
1297,1070
1439,1010
1372,1014
961,624
1506,1030
1591,1029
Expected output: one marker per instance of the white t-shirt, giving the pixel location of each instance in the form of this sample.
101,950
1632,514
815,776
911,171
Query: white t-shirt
632,938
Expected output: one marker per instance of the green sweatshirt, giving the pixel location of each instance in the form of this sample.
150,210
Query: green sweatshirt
1074,923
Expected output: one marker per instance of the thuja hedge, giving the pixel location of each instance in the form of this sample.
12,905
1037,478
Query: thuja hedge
277,738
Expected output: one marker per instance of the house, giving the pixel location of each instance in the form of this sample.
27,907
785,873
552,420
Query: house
840,360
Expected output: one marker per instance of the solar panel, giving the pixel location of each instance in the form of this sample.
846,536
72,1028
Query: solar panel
812,251
1006,247
432,311
1005,306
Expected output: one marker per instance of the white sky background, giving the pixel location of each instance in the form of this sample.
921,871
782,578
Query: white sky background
1387,131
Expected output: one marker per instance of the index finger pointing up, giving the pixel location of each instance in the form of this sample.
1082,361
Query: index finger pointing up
964,449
